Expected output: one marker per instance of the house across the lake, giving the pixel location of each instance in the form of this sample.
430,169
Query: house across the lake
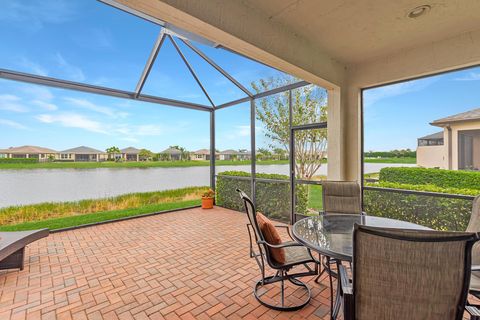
202,154
456,147
171,154
82,154
234,155
40,153
130,154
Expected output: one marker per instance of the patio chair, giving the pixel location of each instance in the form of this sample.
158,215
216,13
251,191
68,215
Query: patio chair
295,254
341,197
407,274
474,226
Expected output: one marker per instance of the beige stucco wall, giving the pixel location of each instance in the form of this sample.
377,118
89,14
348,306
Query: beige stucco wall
432,157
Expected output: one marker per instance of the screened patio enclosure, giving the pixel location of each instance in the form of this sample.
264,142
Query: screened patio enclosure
191,50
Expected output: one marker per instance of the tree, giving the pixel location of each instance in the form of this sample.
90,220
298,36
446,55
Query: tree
112,152
263,153
280,153
309,106
145,155
185,155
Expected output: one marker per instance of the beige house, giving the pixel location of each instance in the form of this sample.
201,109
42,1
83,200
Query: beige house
234,155
202,154
130,154
40,153
82,154
457,147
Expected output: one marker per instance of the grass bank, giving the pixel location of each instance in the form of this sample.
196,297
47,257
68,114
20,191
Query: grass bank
164,164
391,160
68,214
143,164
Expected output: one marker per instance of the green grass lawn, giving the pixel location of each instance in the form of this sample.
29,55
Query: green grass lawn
315,197
143,164
71,221
390,160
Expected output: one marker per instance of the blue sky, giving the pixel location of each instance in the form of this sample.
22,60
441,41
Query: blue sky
89,42
396,115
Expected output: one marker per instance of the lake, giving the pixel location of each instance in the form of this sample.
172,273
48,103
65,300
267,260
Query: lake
18,187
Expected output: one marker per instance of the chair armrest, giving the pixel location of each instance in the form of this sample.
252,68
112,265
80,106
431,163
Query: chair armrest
279,246
473,312
475,268
288,230
347,293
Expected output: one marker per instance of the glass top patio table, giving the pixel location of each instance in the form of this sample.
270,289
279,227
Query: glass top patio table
332,234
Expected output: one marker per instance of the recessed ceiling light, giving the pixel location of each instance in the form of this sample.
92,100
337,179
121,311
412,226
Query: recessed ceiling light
419,11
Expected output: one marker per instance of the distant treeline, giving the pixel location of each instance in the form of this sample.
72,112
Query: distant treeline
403,153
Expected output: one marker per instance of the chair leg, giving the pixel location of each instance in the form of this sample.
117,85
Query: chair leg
281,277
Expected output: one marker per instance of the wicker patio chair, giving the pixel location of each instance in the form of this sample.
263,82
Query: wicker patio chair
295,255
407,274
341,197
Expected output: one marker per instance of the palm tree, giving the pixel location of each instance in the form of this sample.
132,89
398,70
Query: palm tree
112,152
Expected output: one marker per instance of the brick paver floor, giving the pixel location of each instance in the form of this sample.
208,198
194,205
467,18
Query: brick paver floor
190,264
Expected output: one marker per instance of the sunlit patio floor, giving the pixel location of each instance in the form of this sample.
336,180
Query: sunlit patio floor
187,264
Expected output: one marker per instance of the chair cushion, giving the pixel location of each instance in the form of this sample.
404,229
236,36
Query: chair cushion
272,236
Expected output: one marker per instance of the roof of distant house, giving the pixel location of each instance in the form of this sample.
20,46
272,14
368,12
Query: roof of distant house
83,150
202,151
464,116
130,150
172,151
28,149
233,152
438,135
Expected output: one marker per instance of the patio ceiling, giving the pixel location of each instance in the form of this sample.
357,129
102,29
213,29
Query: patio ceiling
354,31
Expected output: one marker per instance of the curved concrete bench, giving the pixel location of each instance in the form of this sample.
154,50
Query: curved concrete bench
12,246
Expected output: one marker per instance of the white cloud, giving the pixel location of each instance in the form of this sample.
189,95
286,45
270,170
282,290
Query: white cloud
33,67
149,130
38,92
73,120
12,124
73,72
472,76
86,104
10,102
372,96
45,105
33,15
243,131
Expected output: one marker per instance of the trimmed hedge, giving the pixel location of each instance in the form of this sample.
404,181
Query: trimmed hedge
437,177
423,187
272,198
434,212
18,160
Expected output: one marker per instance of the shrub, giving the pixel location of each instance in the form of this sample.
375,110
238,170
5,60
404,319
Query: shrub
437,177
18,160
272,197
424,187
434,212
